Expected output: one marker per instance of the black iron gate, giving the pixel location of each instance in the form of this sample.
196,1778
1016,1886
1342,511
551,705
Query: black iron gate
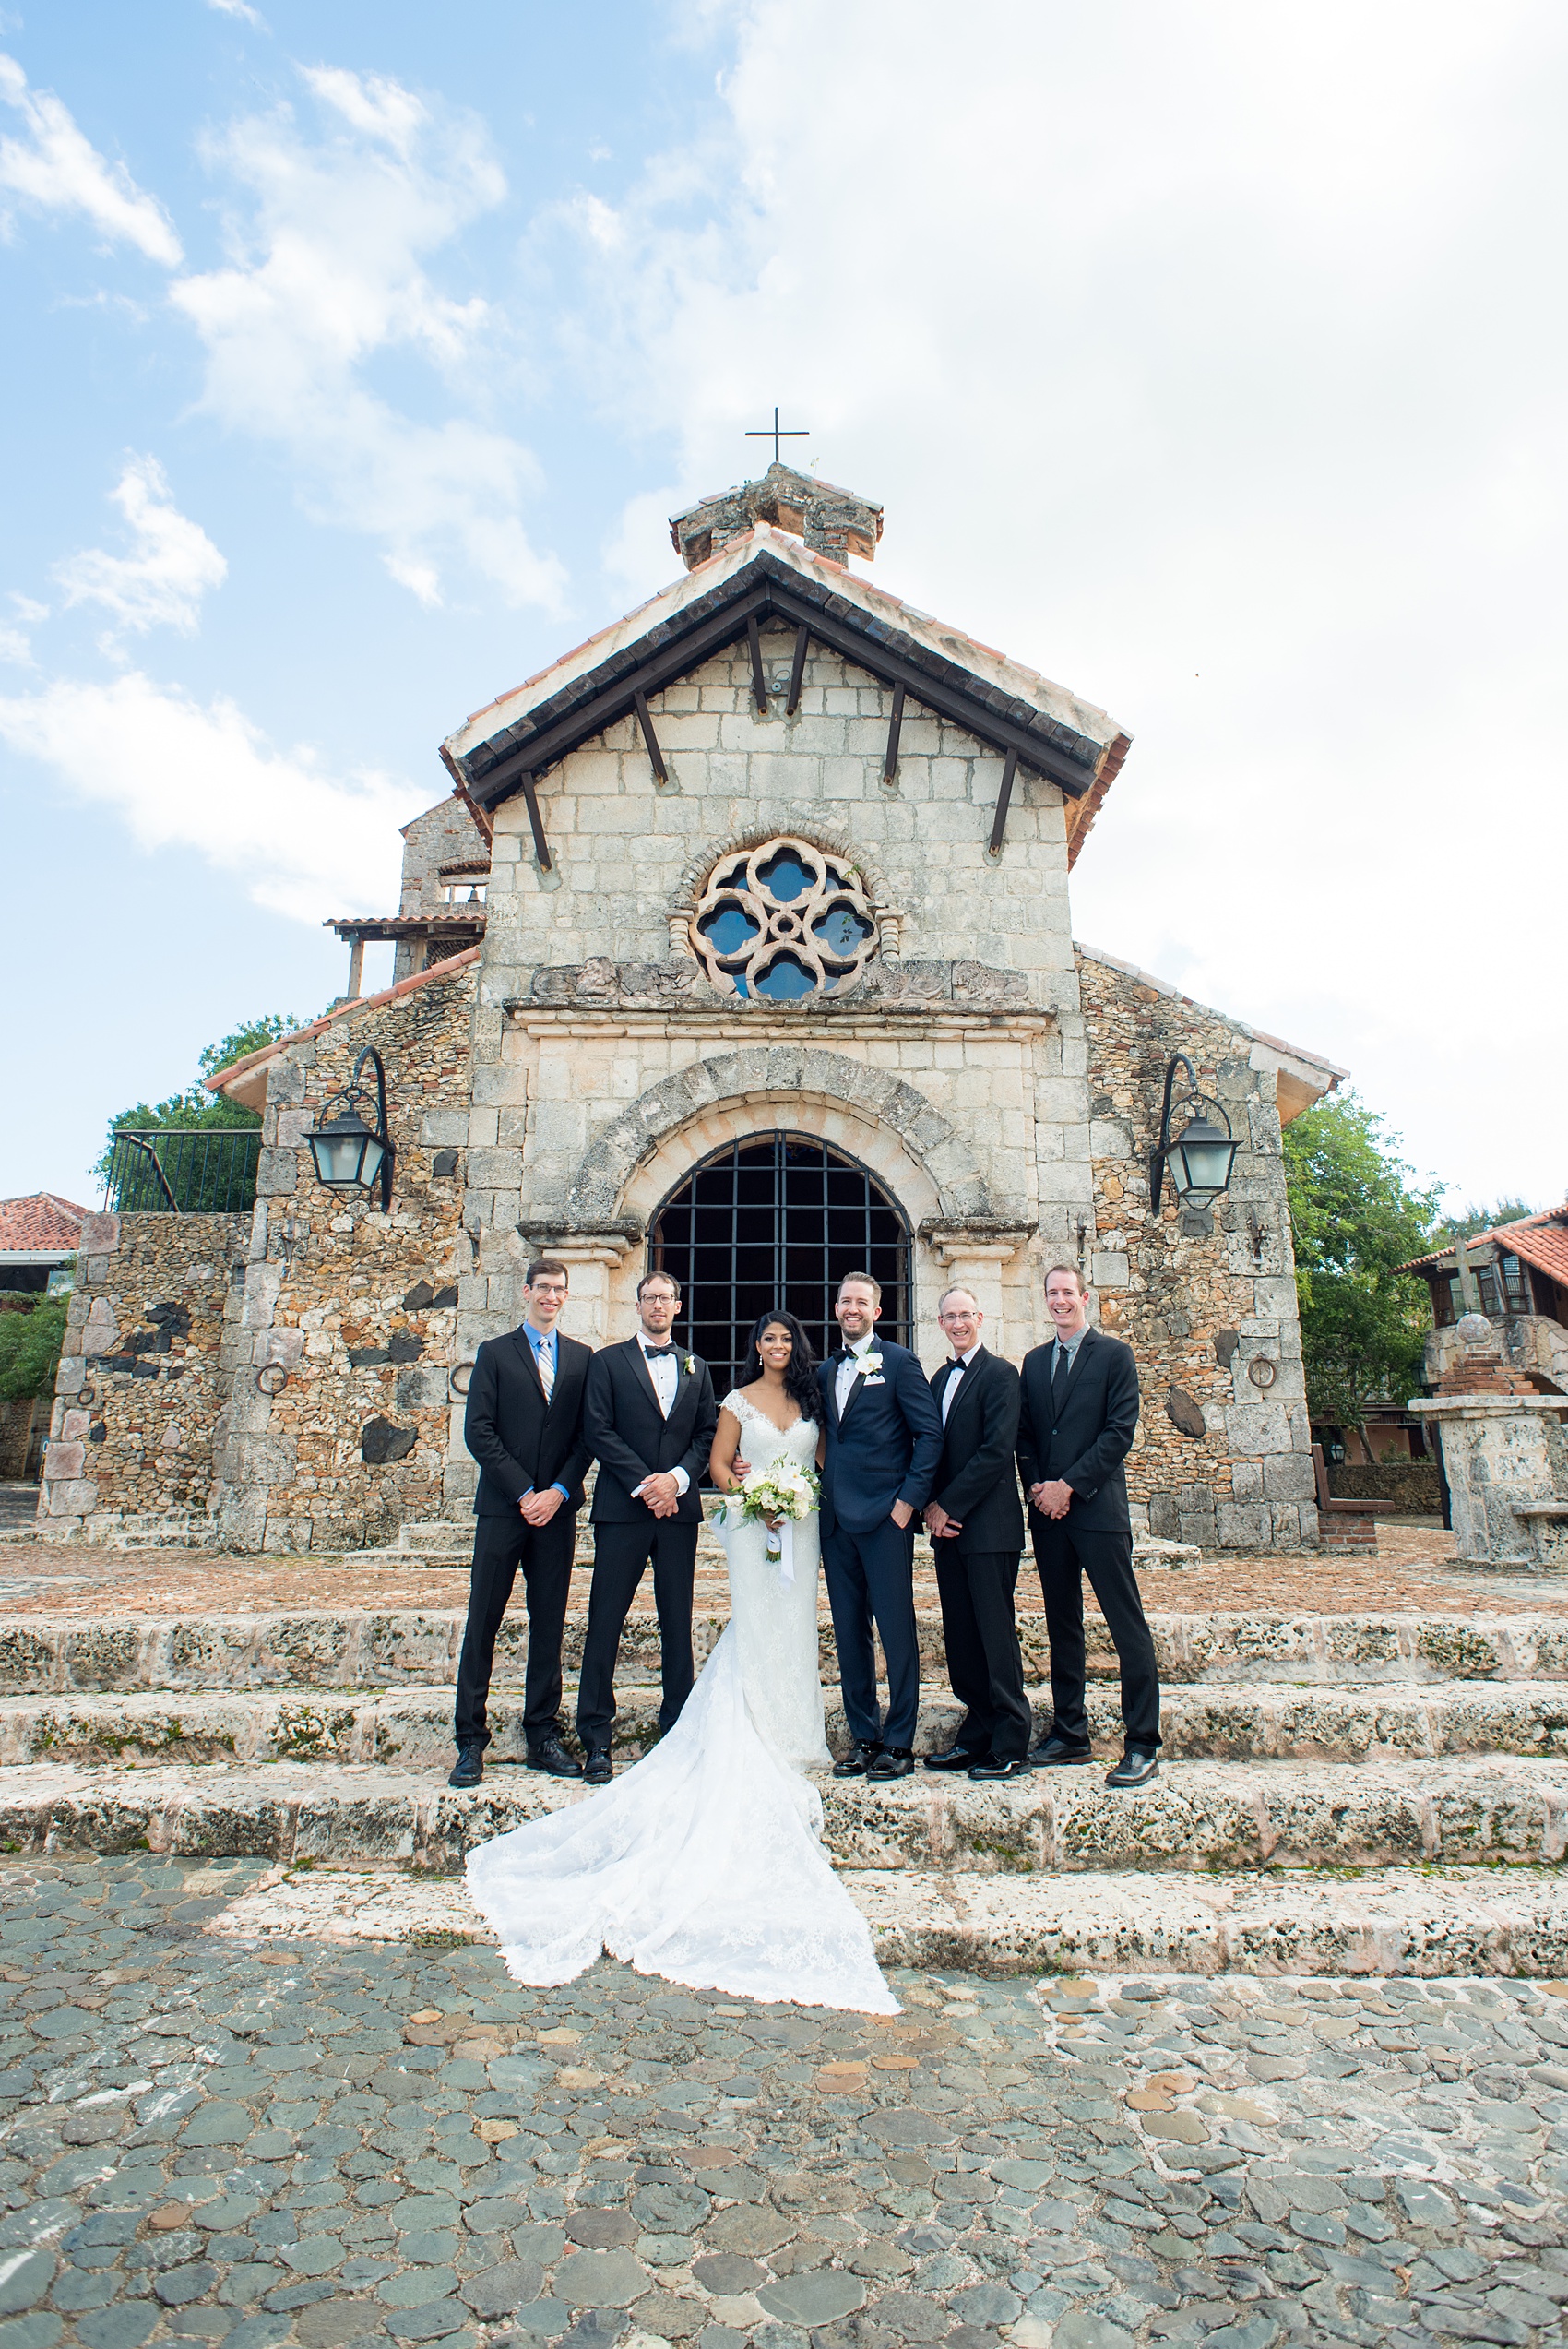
778,1218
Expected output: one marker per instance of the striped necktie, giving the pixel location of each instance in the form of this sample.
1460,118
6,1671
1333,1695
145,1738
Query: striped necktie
546,1369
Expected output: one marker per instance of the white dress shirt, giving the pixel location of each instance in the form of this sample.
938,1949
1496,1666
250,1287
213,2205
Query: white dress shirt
666,1378
956,1380
850,1371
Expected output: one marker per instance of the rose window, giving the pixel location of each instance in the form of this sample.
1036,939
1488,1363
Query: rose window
783,921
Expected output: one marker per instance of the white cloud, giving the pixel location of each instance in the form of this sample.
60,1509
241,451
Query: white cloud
174,563
326,277
15,648
1173,341
307,844
55,169
239,8
27,607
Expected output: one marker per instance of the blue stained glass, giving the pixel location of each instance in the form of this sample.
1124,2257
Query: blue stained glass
729,928
841,930
786,878
784,980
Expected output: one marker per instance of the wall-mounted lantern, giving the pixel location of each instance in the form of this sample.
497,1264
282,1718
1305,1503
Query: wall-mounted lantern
349,1154
1200,1158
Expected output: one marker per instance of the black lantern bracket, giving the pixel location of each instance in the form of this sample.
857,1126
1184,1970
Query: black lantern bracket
1213,1148
341,1144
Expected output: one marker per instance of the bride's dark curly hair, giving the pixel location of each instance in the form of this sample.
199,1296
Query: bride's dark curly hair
799,1371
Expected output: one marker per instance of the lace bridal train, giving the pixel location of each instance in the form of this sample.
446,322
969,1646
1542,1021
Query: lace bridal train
702,1861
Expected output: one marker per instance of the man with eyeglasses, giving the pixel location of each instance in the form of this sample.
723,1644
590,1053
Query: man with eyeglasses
524,1425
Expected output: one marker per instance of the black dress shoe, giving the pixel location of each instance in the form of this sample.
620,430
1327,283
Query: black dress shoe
857,1761
1051,1753
1020,1768
597,1769
954,1757
893,1761
1136,1766
470,1766
550,1756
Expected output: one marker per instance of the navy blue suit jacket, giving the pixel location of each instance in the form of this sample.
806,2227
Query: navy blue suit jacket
886,1446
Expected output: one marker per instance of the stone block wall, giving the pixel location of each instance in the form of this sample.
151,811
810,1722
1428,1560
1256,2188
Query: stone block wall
1221,1458
143,1376
626,856
339,1418
605,1065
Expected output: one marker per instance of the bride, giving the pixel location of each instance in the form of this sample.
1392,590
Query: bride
704,1862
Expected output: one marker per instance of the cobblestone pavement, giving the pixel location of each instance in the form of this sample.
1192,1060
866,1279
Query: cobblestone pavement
207,2140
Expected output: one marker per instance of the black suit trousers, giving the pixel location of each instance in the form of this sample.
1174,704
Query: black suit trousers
870,1579
621,1553
1064,1555
502,1545
985,1664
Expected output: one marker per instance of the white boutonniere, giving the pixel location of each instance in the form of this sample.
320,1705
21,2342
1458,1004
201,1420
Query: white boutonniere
691,1366
870,1365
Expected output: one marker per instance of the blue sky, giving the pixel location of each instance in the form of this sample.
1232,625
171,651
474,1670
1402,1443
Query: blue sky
1208,359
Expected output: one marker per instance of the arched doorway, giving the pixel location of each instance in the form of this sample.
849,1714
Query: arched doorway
777,1219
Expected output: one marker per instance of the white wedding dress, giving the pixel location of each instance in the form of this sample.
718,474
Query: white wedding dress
704,1860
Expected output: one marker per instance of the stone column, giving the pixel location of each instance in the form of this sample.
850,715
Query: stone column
1506,1456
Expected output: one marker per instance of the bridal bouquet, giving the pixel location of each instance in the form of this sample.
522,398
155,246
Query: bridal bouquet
782,1490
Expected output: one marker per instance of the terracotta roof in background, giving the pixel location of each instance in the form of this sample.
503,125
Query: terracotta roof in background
1540,1241
38,1222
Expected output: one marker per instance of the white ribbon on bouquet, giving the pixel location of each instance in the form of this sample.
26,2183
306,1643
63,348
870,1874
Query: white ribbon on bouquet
784,1533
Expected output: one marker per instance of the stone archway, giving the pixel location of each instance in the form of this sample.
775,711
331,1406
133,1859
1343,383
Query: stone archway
868,1112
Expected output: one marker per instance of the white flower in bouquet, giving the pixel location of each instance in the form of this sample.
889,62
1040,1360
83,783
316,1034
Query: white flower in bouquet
780,1490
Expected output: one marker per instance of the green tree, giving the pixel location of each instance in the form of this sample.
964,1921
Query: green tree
30,1349
196,1107
1479,1218
1357,1212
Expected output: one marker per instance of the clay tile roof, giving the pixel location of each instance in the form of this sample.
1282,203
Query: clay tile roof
1537,1240
40,1222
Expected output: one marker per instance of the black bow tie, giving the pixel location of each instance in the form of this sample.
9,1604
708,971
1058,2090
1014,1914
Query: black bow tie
659,1353
958,1363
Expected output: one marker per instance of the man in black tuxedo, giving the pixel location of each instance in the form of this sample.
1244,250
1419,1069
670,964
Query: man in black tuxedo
648,1415
1079,1416
882,1442
976,1523
524,1425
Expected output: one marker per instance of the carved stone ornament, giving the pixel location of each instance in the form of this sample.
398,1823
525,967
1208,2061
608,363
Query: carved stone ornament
783,921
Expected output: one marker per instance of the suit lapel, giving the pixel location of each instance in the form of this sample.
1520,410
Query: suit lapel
1072,1369
641,1370
524,1347
968,1385
854,1394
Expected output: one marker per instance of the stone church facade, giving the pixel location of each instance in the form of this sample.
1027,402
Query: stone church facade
742,947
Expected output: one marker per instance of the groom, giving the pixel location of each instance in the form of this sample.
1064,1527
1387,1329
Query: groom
883,1438
649,1417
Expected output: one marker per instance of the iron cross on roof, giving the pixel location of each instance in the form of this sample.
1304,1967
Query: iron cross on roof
771,432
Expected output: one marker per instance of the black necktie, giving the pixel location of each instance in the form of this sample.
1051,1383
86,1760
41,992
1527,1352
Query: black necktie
1059,1375
658,1353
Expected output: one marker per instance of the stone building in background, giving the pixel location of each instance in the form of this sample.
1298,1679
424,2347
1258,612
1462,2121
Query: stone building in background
742,947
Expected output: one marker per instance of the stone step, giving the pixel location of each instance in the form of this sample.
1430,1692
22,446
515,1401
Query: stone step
1398,1921
1195,1815
411,1728
377,1648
